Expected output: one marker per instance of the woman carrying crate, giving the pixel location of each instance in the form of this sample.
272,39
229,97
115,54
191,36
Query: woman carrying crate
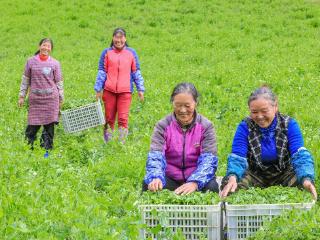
118,68
43,79
183,153
268,149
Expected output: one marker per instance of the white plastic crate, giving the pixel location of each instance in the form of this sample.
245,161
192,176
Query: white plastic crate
83,117
244,220
193,220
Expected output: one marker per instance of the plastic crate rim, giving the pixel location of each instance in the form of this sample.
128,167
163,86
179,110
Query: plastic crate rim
177,205
252,206
83,106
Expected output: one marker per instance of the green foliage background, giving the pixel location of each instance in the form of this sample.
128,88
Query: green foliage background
86,189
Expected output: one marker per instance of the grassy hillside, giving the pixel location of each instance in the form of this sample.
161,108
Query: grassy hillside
86,189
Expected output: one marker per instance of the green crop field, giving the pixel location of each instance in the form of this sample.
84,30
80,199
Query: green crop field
86,189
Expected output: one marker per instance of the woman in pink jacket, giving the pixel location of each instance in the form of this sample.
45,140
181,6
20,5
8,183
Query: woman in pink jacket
118,69
183,152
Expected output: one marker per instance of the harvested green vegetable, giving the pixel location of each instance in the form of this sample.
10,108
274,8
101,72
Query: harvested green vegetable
270,195
169,197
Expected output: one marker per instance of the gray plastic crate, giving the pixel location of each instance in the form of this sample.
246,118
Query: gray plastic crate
81,118
244,220
193,220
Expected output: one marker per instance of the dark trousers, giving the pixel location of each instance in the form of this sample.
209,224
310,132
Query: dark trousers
173,185
267,178
46,140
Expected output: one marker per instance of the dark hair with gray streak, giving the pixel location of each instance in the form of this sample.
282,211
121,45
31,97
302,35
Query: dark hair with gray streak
185,88
263,92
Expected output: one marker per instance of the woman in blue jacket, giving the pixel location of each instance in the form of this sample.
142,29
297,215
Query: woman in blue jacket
268,149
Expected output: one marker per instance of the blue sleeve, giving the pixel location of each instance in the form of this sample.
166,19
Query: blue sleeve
206,169
102,75
303,165
240,140
295,139
237,166
137,76
138,80
101,59
156,166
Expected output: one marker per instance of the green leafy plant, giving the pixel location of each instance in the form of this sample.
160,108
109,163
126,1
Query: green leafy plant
270,195
169,197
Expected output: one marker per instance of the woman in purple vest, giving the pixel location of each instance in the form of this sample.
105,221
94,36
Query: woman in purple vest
183,153
42,78
268,149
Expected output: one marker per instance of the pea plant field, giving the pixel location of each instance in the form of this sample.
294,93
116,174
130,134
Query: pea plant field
87,189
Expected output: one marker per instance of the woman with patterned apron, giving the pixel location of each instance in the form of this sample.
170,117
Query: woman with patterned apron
42,79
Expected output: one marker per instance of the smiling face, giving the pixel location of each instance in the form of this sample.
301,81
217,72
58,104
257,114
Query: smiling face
262,112
45,48
119,41
184,106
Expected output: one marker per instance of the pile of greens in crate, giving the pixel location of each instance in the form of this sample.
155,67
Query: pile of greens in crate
270,195
169,197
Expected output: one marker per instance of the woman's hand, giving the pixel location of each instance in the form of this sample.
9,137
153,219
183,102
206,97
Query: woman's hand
308,185
187,188
99,95
230,187
141,96
155,185
21,101
60,105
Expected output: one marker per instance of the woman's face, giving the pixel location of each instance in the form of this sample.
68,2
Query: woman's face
119,41
45,48
262,112
184,106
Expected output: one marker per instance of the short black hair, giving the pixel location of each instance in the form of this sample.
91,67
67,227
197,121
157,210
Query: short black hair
118,30
42,41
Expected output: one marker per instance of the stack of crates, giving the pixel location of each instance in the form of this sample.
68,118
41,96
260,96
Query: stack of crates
244,220
81,118
194,221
